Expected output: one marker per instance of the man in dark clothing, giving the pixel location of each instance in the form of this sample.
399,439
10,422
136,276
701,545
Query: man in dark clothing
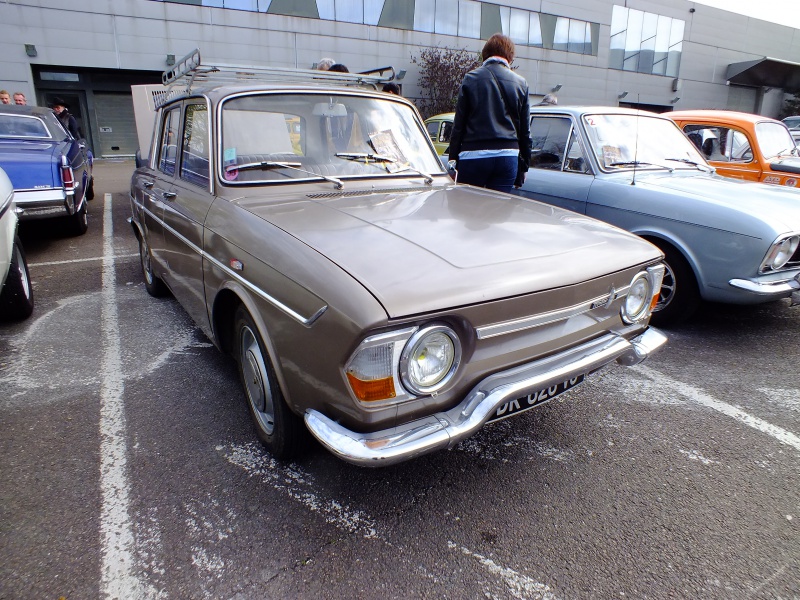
67,120
491,139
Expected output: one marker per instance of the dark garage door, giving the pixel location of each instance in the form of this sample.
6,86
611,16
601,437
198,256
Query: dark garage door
116,127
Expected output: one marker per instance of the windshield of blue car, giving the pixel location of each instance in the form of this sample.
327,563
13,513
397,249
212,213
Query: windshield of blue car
22,126
311,135
629,141
774,139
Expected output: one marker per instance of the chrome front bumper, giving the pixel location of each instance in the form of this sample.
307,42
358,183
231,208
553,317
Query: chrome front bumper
446,429
778,288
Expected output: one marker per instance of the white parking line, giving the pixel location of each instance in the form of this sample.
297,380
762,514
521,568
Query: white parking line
699,396
117,543
80,260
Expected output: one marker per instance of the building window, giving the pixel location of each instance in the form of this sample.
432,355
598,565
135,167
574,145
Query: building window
645,42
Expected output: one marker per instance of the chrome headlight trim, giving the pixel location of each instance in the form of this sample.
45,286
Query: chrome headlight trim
418,338
642,295
780,253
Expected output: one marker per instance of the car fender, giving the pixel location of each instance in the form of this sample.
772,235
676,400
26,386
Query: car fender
657,236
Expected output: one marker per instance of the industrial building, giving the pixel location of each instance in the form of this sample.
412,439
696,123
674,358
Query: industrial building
655,54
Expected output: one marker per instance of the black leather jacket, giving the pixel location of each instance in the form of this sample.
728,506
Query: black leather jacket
483,120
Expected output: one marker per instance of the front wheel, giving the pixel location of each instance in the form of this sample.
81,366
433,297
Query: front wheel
90,189
278,428
16,297
680,296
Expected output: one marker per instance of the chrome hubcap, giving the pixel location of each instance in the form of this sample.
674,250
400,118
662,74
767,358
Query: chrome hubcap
259,392
668,287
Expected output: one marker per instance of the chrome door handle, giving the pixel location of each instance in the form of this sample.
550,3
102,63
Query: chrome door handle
147,184
169,195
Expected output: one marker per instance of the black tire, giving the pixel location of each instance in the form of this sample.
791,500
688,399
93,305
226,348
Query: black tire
279,429
90,189
79,222
154,286
680,296
16,297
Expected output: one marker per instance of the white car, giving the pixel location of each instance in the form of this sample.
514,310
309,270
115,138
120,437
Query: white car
16,293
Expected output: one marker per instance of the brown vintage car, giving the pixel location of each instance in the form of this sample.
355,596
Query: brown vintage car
742,145
307,225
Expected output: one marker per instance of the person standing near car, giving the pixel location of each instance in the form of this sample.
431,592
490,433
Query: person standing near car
67,120
491,129
5,97
19,99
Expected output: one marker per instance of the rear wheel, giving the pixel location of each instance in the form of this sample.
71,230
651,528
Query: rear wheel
79,222
16,297
278,428
90,189
154,286
680,295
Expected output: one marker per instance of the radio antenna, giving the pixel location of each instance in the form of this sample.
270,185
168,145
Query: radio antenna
636,142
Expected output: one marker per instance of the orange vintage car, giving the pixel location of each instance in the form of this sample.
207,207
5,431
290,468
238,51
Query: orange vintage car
742,145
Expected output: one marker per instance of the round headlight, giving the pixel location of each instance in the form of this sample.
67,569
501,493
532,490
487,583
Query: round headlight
637,302
783,251
429,359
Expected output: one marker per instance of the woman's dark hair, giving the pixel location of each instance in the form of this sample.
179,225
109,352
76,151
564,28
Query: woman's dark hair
391,88
339,68
498,45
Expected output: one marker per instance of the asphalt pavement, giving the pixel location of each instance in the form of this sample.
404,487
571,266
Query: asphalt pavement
129,467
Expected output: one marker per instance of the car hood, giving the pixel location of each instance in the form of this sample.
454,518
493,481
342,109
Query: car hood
29,164
777,206
421,251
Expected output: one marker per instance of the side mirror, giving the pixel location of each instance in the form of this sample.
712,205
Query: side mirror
451,170
140,162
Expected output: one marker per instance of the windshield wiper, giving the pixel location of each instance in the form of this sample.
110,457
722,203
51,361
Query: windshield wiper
790,151
700,166
271,164
367,157
637,163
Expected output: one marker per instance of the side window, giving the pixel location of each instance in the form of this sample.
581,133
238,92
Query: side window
194,160
168,147
446,132
575,163
549,136
720,144
433,129
740,150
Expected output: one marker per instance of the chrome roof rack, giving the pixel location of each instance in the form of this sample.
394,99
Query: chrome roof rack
189,72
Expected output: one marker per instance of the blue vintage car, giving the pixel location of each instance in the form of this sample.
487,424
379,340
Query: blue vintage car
50,170
724,240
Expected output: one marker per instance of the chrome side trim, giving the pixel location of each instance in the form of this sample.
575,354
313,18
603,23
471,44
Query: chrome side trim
234,275
505,327
446,429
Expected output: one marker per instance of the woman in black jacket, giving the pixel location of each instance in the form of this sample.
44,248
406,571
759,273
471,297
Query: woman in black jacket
491,128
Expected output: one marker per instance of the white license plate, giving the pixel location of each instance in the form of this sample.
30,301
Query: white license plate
514,407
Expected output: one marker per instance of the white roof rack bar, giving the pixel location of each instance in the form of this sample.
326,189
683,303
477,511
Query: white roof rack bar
189,71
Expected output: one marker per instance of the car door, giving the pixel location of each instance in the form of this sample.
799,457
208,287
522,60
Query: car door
729,150
154,184
559,172
185,208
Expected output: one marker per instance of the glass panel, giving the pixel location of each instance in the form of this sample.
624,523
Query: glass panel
561,37
674,60
619,20
519,21
194,161
212,3
575,163
327,9
773,139
549,141
535,31
646,55
469,19
279,137
616,56
627,141
251,5
22,126
349,11
263,5
398,14
505,18
577,35
168,148
633,40
447,17
424,15
649,26
433,129
50,76
587,39
661,51
372,11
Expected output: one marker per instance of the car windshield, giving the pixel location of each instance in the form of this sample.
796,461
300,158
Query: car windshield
280,137
22,126
628,141
774,139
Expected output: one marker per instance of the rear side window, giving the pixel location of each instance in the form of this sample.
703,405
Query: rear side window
719,143
168,144
194,161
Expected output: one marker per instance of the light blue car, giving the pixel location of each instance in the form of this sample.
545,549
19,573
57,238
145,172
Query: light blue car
724,240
